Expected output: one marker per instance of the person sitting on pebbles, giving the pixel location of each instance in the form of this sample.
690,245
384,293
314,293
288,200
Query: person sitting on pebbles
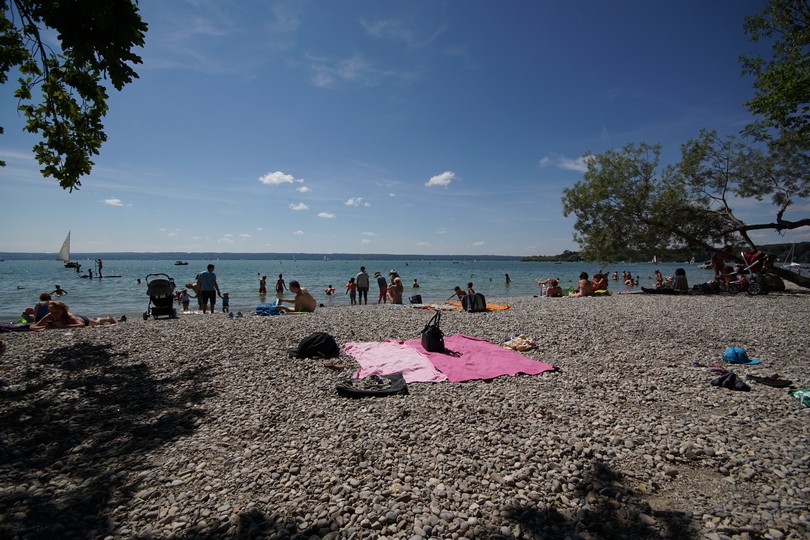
584,286
303,301
554,290
60,317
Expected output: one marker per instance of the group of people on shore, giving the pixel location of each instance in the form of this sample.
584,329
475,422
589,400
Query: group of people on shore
206,289
585,286
358,286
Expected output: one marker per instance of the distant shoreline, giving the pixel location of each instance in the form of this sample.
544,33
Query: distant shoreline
214,255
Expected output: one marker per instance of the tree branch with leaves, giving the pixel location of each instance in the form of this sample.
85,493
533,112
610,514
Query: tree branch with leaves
94,49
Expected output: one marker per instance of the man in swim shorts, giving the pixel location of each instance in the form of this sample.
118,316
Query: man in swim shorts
362,285
303,302
209,289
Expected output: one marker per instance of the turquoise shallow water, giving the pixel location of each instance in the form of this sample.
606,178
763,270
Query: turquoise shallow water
21,282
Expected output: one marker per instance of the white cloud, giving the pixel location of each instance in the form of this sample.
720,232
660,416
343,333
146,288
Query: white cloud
298,232
277,178
369,234
422,244
357,201
327,72
443,179
399,31
172,234
303,189
478,243
365,241
326,215
392,194
245,235
298,207
113,202
579,164
225,240
441,230
259,229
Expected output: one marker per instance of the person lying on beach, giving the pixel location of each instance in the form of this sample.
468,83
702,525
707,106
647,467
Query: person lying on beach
60,317
303,301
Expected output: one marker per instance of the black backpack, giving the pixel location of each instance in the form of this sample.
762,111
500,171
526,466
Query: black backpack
479,303
317,345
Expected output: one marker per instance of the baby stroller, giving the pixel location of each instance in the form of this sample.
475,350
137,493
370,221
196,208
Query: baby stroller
753,263
161,297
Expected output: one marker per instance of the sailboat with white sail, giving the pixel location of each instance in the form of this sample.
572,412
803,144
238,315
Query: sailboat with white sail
64,254
788,262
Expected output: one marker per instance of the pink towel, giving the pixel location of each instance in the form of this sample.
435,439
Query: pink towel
479,359
388,357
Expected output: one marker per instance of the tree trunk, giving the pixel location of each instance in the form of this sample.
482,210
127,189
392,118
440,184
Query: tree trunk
787,275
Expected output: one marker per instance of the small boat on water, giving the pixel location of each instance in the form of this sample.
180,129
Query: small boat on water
181,263
64,254
788,262
705,265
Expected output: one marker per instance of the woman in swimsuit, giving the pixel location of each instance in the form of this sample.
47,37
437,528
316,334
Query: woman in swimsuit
60,317
280,285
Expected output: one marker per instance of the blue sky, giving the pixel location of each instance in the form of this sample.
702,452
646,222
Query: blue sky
435,127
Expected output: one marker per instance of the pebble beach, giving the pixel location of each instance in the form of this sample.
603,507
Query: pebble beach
205,427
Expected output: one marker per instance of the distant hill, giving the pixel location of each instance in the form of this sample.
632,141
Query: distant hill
213,256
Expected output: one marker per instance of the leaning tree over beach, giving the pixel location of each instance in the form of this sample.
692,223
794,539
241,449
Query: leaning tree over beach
93,45
627,201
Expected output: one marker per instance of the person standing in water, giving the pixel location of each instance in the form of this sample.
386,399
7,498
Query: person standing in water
280,286
362,285
383,286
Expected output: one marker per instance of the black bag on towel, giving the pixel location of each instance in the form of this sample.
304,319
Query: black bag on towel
432,335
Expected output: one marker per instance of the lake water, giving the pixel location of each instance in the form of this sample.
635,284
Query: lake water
21,282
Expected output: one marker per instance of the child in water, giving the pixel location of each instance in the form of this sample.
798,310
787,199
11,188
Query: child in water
226,303
185,299
351,290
